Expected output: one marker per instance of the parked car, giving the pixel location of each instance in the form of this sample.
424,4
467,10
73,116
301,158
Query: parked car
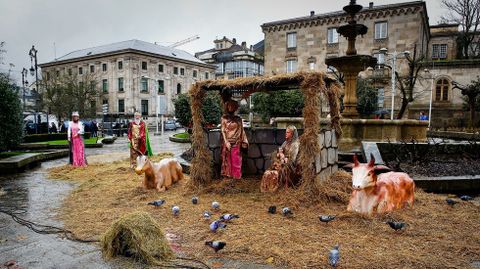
169,125
178,124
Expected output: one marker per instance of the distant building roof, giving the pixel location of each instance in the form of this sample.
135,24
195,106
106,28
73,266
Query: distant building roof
259,47
135,45
341,12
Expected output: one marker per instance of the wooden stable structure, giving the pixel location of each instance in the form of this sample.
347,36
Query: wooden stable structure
311,84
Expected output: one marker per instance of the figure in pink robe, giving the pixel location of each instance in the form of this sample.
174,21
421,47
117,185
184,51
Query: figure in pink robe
77,148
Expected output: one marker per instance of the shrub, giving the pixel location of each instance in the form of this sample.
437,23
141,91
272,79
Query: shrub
11,118
211,109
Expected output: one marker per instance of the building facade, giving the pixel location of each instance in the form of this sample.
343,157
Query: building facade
302,44
234,60
133,74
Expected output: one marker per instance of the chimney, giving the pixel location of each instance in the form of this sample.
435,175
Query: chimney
244,44
370,5
234,40
312,13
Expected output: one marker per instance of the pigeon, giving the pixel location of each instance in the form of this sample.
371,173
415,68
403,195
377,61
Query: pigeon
217,224
194,200
334,256
216,245
287,212
396,225
157,202
207,215
466,197
272,209
326,218
175,210
228,217
215,205
450,201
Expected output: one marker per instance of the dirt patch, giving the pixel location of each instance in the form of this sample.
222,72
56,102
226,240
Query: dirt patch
438,236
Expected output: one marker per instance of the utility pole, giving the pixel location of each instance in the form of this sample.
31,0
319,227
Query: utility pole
34,71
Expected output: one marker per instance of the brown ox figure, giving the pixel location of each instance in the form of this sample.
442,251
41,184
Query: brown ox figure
379,193
161,175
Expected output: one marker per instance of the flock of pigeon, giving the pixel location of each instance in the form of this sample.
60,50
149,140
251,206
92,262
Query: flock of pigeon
334,255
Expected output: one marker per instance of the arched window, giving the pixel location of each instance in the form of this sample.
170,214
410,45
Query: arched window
179,88
441,89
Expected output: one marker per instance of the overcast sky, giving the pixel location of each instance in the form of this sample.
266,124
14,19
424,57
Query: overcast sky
74,25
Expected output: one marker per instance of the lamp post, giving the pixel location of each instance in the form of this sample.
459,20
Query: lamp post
24,84
34,71
394,55
432,77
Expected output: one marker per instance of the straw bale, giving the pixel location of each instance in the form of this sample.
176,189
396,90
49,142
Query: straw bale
136,235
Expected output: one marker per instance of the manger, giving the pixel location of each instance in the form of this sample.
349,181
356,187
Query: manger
316,156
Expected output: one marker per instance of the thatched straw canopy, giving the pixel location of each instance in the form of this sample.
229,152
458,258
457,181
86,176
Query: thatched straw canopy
312,85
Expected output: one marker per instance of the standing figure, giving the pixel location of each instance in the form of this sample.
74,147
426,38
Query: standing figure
423,116
138,138
284,170
234,138
74,133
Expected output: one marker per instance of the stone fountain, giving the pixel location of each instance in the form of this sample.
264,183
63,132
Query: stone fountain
352,63
356,130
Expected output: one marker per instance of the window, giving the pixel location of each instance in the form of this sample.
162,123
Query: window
381,30
120,65
105,86
161,88
57,73
105,101
92,68
48,75
441,90
206,75
144,107
291,40
291,66
92,85
311,66
104,67
80,70
439,51
380,58
120,84
121,105
179,88
182,71
380,97
194,73
332,36
160,68
175,70
69,71
144,65
144,83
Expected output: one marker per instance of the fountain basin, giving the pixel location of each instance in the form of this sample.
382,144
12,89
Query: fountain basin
352,63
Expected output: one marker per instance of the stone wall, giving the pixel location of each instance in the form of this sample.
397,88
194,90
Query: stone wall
264,141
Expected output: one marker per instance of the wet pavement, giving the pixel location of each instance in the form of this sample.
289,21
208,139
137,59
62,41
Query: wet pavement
36,198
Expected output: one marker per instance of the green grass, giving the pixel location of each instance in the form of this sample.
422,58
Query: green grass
10,154
91,140
182,135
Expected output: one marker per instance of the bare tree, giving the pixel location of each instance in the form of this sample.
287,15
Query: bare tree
467,14
64,94
407,83
471,93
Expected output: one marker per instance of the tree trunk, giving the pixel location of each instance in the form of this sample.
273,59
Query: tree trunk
403,108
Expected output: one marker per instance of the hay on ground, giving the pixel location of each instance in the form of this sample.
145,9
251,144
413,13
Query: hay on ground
137,235
437,236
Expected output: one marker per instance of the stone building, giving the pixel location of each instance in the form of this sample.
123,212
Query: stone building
304,43
131,74
234,60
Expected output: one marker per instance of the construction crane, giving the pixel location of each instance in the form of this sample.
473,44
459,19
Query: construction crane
185,41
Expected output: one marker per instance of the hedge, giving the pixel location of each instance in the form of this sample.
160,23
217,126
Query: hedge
48,137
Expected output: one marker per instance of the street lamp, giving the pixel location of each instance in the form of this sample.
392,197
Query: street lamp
394,55
34,71
24,84
432,77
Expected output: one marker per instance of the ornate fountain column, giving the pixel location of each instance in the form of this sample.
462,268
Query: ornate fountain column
351,64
